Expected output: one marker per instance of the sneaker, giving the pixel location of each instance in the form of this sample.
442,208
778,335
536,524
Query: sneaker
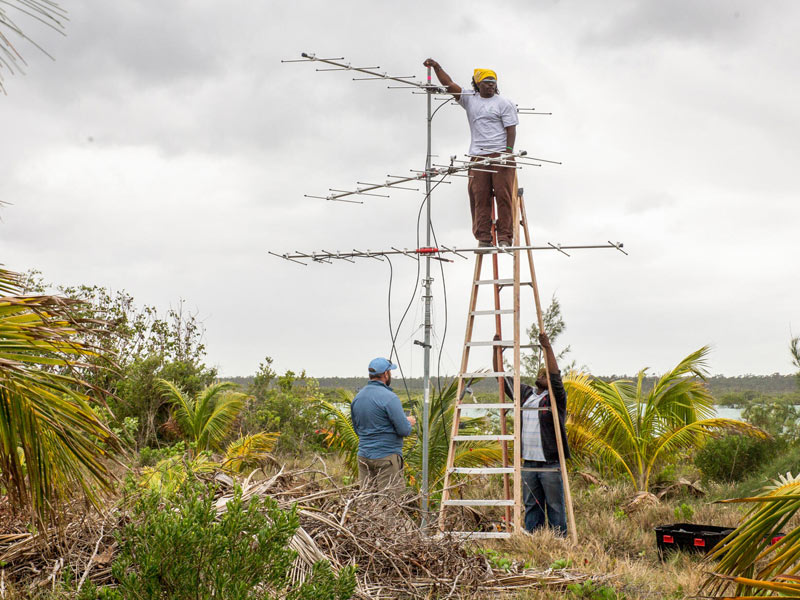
484,247
504,244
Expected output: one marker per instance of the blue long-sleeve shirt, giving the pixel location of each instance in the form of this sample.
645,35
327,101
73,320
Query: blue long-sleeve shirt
379,421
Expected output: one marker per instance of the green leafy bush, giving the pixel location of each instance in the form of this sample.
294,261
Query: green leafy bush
733,457
178,548
592,591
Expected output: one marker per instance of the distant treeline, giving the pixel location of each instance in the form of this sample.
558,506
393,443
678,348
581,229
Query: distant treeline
761,385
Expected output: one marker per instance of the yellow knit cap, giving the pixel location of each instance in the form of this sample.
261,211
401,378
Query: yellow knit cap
481,74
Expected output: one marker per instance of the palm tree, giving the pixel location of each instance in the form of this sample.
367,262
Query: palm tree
249,451
50,439
749,559
207,417
341,436
43,11
623,425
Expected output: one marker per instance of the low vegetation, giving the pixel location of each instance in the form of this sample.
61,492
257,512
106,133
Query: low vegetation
198,488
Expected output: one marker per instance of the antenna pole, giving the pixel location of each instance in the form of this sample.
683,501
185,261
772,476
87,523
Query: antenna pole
426,377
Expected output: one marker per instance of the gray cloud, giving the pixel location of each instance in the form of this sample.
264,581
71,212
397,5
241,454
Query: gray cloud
675,122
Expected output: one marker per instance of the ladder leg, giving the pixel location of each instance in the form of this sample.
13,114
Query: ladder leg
517,387
460,390
559,443
498,326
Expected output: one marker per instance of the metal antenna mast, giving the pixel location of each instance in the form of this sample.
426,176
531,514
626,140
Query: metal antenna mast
509,160
429,89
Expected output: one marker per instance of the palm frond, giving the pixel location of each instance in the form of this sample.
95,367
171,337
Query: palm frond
340,434
208,416
249,451
747,557
50,439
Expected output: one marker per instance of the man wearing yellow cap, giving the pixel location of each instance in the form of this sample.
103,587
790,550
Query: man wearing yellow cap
493,127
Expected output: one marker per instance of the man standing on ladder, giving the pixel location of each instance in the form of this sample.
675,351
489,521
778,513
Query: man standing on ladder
380,424
493,126
543,487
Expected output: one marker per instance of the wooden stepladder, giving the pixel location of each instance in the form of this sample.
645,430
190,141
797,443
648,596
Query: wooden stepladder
510,442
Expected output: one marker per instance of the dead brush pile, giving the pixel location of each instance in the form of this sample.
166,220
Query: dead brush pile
344,525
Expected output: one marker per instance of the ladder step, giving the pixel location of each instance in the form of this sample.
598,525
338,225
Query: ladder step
483,438
503,343
478,502
482,470
487,406
474,534
483,375
542,470
499,282
499,311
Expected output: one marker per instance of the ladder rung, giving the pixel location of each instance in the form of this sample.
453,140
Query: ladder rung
478,502
487,406
540,470
483,375
504,343
482,470
501,282
474,534
483,438
494,281
498,311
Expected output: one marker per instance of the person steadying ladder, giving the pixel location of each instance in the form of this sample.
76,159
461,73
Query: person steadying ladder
493,126
542,489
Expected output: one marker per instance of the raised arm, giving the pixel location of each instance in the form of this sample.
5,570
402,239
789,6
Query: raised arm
552,366
443,77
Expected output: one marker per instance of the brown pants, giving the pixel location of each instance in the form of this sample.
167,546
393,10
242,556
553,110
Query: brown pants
383,474
482,186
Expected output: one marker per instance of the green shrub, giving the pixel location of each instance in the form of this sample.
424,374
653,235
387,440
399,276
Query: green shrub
733,457
683,512
178,548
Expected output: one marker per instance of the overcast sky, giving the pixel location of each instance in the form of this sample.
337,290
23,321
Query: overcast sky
166,149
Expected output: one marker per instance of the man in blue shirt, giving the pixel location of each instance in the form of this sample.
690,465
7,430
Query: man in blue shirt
380,423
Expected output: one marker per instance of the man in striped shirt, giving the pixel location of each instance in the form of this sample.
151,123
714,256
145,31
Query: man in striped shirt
542,490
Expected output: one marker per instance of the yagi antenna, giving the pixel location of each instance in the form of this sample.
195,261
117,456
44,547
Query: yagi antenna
371,71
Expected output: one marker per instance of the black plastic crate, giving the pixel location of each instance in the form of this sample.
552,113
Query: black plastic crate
689,536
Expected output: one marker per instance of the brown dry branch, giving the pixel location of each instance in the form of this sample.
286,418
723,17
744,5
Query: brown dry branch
344,525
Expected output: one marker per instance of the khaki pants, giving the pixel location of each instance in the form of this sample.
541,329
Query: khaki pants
482,186
383,474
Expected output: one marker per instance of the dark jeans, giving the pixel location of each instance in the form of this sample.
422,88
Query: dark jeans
482,187
540,490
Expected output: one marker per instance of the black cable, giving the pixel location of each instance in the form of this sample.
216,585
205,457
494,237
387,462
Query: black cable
393,334
444,332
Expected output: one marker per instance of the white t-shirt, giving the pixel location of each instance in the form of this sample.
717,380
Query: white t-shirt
531,437
488,119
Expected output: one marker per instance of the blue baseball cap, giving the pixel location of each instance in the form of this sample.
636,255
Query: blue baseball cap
378,366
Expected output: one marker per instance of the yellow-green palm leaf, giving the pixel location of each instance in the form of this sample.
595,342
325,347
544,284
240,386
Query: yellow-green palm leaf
50,439
249,451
